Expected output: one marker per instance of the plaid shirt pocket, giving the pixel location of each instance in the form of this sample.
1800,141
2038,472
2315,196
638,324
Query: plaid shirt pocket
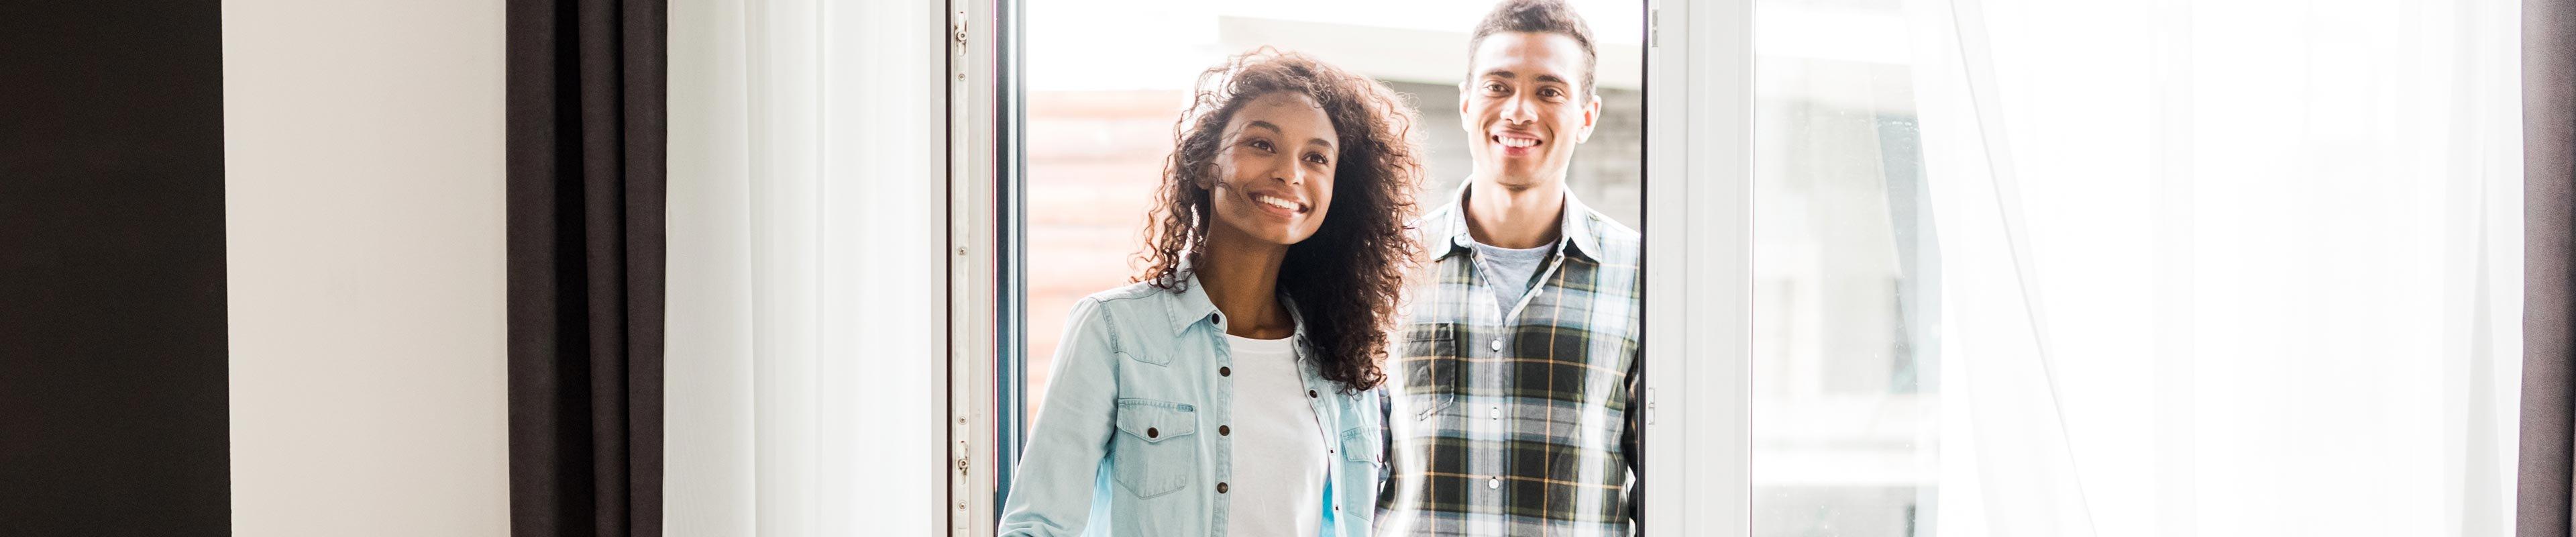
1431,366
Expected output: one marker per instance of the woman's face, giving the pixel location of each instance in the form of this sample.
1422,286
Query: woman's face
1274,170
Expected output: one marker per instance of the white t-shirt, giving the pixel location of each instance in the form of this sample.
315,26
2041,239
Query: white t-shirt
1279,460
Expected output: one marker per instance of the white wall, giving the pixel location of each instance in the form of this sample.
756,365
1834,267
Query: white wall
363,213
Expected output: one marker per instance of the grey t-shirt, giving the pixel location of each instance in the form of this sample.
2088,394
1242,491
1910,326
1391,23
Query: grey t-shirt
1509,270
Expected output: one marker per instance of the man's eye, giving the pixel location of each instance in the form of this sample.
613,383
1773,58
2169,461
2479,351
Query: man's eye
1493,88
1550,92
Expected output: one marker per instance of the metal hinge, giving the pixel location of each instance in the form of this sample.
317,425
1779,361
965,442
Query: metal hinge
1654,28
1650,406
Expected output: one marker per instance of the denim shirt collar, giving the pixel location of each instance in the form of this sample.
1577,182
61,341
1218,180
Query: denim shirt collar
1574,227
1190,305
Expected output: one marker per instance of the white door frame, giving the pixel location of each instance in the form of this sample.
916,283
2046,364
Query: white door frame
1699,270
973,254
1698,210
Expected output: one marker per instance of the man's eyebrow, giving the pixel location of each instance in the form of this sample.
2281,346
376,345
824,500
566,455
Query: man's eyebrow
1542,77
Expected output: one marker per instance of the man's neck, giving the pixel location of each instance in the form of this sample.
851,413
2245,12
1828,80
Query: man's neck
1242,279
1501,216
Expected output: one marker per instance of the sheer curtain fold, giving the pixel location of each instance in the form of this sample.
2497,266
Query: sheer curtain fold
2224,267
808,275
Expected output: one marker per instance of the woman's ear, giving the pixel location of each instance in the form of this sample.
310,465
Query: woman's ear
1204,176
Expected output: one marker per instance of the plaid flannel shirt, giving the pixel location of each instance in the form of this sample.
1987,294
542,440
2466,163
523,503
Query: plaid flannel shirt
1519,423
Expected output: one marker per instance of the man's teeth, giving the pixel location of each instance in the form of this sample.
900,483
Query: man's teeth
1509,141
1276,202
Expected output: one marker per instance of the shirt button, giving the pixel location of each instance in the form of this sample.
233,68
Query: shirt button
1150,433
1225,371
1224,431
1497,345
1310,394
1490,483
1497,412
1220,487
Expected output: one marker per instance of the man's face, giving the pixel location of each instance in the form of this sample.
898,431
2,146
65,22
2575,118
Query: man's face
1524,107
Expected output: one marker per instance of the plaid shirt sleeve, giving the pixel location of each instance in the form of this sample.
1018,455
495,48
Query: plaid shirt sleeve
1632,441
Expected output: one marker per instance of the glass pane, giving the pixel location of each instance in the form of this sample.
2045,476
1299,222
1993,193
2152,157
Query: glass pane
1844,273
1101,107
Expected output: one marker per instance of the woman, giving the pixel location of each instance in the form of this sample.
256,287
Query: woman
1228,392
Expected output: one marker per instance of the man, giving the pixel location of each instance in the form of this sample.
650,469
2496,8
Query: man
1515,409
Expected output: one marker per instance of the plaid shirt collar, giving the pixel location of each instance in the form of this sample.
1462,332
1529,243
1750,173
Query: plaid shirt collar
1574,232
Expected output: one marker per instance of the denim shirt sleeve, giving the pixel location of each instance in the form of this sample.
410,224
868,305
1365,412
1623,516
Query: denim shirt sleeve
1060,466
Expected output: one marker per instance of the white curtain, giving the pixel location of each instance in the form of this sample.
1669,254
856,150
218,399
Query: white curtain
2243,267
807,316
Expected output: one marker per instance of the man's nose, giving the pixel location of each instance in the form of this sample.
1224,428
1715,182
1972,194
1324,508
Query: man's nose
1517,110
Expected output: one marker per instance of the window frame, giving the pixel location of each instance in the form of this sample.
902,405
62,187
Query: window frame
1698,201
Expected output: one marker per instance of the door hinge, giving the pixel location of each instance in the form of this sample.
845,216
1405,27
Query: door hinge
1654,28
1650,406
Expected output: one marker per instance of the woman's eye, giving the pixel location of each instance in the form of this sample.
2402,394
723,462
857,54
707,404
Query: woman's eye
1263,145
1317,158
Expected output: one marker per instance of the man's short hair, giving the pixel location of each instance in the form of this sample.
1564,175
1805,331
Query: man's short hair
1537,17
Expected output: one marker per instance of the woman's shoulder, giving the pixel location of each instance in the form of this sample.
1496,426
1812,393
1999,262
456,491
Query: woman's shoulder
1132,301
1112,316
1125,293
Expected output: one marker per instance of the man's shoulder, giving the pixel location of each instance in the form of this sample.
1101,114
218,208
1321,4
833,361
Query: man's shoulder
1432,223
1618,242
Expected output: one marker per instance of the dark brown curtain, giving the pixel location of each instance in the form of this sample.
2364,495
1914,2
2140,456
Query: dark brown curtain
115,395
586,143
2548,372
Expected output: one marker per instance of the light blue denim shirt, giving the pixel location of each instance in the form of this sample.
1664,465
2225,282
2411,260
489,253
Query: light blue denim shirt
1131,440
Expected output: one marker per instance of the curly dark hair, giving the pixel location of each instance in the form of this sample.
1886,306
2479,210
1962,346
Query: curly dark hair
1347,278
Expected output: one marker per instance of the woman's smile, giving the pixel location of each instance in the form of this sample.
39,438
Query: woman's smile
1278,205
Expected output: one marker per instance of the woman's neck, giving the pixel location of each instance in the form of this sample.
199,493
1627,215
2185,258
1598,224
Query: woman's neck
1241,276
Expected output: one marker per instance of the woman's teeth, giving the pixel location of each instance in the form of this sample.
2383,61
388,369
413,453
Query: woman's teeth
1514,141
1276,202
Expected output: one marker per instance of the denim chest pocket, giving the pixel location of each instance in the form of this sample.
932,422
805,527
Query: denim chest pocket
1363,444
1432,368
1156,449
